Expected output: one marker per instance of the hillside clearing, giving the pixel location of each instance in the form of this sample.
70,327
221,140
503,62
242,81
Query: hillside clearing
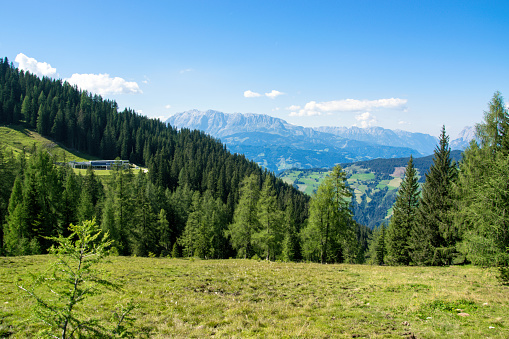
15,138
248,298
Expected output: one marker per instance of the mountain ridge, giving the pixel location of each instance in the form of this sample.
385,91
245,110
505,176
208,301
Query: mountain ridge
258,136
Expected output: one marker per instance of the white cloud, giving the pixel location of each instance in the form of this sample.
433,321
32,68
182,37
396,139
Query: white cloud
103,84
293,108
182,71
404,123
303,113
366,119
274,94
507,106
167,106
33,66
276,109
251,94
350,105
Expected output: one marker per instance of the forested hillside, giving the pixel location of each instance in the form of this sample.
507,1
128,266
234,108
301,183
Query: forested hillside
191,176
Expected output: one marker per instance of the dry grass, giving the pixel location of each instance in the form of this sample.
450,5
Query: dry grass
247,298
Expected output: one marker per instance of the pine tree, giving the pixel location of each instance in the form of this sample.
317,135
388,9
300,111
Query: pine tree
433,237
404,217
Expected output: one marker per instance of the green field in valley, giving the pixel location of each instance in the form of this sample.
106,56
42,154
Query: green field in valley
248,298
374,190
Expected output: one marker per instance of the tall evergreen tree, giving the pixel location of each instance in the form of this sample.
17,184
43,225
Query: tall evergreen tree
433,237
482,212
404,218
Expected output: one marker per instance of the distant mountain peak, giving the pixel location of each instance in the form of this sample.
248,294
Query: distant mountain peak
464,138
277,145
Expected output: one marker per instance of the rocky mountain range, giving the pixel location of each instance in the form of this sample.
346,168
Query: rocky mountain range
278,145
464,138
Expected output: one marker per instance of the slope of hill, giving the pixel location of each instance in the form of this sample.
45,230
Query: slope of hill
278,145
15,139
374,184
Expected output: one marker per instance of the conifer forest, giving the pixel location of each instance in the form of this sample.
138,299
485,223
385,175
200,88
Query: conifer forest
195,198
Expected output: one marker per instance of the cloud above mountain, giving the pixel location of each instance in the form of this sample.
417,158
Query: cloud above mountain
348,105
35,67
272,94
366,119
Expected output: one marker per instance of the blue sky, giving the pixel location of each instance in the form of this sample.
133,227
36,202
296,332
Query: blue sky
411,65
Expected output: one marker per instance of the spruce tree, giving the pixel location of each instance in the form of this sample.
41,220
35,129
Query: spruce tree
433,237
404,217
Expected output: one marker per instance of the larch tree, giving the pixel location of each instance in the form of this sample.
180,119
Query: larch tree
268,238
245,218
482,212
329,235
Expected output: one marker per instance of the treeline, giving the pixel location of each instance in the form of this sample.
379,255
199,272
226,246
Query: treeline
188,172
462,212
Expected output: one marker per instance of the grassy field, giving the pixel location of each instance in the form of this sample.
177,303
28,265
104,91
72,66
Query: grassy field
247,298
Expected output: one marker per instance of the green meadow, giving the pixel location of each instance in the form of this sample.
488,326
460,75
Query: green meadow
16,138
235,298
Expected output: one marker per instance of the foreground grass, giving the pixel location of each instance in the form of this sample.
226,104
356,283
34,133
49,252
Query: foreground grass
247,298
